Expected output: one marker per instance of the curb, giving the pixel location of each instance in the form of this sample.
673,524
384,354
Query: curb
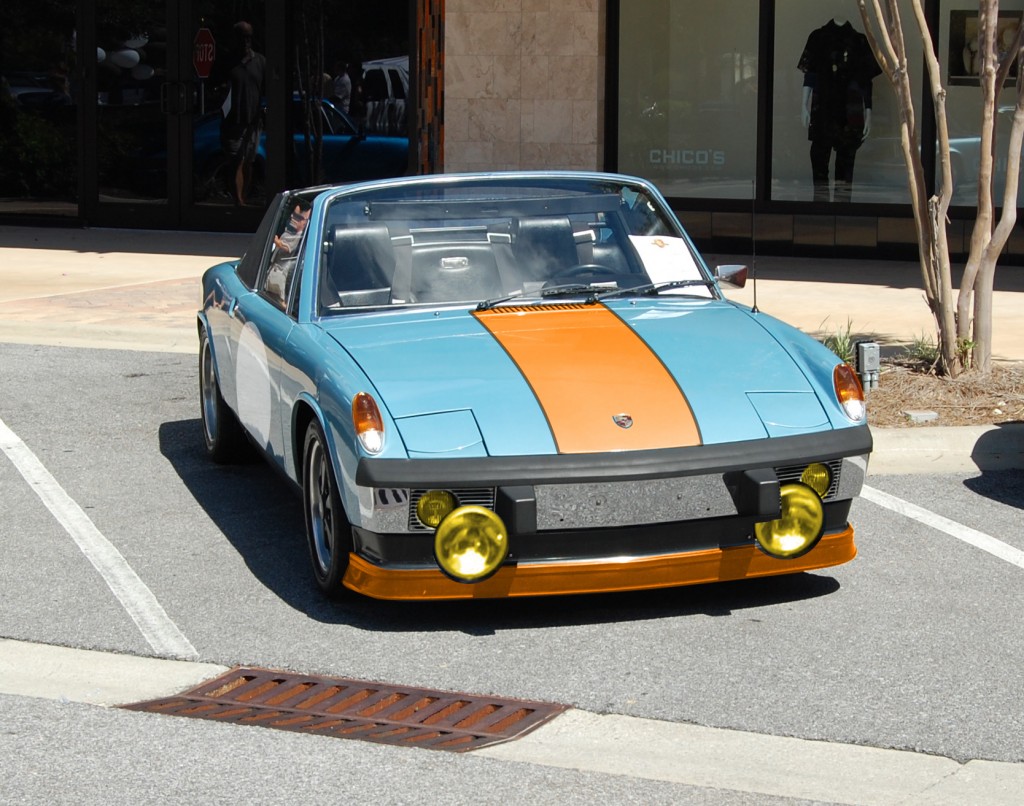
617,744
947,449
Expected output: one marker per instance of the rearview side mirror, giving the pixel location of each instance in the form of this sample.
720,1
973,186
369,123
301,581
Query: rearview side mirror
734,275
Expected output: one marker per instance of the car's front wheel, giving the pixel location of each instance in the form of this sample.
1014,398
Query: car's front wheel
223,434
328,531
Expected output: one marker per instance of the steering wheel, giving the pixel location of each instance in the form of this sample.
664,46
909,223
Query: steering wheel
580,270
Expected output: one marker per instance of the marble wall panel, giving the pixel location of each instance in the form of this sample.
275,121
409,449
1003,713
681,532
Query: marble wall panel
524,84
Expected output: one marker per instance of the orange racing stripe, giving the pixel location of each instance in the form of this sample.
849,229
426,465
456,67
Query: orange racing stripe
585,366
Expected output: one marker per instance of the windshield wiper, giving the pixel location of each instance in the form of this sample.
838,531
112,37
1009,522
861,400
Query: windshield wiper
595,290
569,288
543,293
490,303
649,288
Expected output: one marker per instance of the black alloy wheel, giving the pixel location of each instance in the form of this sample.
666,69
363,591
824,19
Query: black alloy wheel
328,531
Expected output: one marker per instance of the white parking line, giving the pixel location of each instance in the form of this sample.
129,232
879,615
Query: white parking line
160,632
997,548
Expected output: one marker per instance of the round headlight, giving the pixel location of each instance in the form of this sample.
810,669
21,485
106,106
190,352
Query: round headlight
797,529
470,544
818,477
434,506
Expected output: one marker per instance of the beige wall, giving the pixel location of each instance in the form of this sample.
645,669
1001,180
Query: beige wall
524,84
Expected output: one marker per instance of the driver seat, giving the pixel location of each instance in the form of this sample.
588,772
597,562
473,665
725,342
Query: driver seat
544,246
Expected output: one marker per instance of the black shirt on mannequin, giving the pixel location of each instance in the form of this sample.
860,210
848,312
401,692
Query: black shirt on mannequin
838,68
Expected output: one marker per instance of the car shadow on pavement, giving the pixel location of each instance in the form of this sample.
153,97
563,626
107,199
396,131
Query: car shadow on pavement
488,616
255,510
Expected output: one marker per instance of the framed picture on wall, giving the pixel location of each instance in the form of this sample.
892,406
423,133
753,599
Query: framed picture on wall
963,62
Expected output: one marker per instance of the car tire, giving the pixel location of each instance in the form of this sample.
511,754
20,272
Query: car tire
328,531
222,433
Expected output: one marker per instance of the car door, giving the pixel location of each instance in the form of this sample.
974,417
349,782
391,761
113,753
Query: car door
262,325
264,320
227,303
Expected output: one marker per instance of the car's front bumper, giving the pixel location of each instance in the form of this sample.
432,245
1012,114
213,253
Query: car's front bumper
607,522
593,576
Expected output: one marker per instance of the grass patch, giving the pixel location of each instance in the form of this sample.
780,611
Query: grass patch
841,342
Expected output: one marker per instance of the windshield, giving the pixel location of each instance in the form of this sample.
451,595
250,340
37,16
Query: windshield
493,239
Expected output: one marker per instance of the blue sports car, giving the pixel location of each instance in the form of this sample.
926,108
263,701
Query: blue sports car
518,384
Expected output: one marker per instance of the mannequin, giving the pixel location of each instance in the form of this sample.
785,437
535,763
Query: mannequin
838,68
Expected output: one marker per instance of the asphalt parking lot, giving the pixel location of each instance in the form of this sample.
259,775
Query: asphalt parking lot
895,678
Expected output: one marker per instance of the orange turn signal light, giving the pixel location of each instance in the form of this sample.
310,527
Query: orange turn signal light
368,423
849,392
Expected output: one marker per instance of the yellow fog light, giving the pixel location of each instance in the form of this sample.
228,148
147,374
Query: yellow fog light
434,506
818,477
470,544
798,528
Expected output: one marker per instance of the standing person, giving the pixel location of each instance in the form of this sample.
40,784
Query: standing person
838,68
243,112
341,89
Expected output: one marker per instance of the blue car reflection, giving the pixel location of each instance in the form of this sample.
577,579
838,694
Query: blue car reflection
350,153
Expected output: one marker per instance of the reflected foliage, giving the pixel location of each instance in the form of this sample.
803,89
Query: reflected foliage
37,113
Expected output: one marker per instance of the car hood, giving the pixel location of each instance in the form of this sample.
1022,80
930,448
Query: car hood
578,378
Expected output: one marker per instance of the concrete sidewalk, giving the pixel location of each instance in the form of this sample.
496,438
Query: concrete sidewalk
139,290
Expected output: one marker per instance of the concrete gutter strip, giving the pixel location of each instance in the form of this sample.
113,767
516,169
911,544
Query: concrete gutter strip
579,740
95,678
749,762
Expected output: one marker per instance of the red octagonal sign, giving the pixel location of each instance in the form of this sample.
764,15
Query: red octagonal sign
204,50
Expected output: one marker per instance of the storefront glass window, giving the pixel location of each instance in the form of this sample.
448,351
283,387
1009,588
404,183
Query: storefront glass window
691,128
958,47
358,108
39,105
836,124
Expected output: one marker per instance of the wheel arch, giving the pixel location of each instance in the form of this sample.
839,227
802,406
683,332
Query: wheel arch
307,411
303,414
203,325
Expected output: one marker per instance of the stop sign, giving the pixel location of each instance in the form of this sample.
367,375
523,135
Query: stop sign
204,50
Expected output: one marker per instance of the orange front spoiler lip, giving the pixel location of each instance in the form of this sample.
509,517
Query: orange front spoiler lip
596,576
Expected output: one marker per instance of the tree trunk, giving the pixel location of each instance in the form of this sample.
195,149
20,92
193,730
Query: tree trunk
959,334
889,47
989,236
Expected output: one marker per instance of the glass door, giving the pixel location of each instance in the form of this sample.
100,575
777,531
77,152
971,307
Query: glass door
201,110
129,123
168,144
226,133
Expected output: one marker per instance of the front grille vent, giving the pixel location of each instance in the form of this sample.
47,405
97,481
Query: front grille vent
464,496
793,472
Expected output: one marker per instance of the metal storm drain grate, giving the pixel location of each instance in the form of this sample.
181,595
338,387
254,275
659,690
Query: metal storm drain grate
355,709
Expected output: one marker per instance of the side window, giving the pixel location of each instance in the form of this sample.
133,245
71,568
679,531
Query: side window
255,256
397,88
333,124
296,279
280,275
